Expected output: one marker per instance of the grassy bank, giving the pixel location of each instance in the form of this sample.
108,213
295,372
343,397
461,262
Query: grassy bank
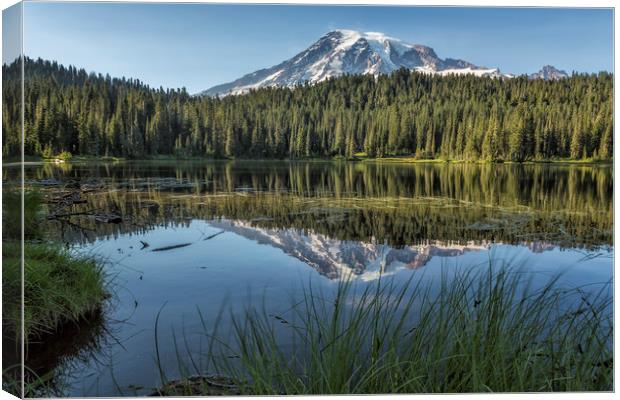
59,287
478,332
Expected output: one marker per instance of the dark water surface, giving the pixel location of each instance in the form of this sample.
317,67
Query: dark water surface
203,235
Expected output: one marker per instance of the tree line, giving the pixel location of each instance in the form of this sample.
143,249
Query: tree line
405,113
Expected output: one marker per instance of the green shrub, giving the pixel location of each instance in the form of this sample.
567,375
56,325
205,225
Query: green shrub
65,156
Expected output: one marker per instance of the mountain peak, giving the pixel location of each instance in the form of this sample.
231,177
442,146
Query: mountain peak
549,72
350,34
346,51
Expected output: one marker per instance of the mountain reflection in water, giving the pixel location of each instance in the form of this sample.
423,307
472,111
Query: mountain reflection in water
337,259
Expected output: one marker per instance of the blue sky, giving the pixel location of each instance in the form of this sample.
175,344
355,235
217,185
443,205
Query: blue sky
197,46
11,32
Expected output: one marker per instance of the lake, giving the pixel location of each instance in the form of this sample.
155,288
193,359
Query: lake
200,237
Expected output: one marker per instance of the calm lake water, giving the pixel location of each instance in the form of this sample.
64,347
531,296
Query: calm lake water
200,236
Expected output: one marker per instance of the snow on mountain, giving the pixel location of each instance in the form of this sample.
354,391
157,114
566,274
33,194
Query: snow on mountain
549,72
350,52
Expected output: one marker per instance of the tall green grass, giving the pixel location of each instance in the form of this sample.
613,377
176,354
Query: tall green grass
477,331
59,287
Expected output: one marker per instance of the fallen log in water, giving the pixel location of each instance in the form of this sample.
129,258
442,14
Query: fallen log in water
108,218
176,246
67,215
65,199
214,235
99,217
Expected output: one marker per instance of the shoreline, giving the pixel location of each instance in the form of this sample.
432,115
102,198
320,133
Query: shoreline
384,160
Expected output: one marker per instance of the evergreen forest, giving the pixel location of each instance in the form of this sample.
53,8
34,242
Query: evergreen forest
402,114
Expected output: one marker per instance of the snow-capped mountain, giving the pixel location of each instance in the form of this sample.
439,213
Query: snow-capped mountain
350,52
549,72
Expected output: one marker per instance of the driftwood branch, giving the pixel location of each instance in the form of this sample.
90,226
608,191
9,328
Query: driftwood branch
70,199
71,214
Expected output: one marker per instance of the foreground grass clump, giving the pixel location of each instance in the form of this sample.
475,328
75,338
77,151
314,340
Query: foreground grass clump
476,332
58,287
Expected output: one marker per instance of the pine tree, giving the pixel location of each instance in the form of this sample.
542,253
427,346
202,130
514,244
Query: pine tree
339,138
576,143
517,141
606,150
231,142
